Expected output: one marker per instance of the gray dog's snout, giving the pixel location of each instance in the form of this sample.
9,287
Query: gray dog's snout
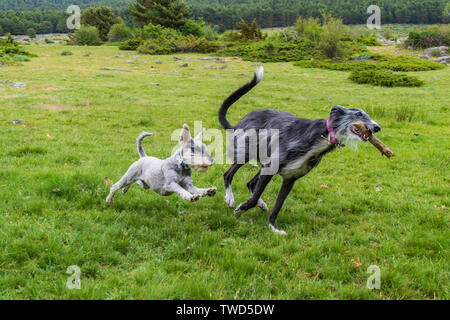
376,128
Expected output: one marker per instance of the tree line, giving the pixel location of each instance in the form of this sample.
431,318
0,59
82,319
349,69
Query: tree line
281,13
25,5
227,13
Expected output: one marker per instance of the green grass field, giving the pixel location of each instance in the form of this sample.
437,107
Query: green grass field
354,210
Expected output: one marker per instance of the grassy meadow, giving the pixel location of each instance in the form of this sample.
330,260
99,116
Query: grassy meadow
356,209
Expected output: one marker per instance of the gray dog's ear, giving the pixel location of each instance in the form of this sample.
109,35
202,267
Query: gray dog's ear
185,135
338,110
200,135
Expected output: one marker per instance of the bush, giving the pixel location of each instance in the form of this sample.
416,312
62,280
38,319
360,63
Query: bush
66,53
250,33
433,36
210,33
31,32
384,78
309,28
157,46
191,27
368,41
20,58
172,45
87,36
393,63
272,51
132,44
152,31
102,18
9,48
119,32
330,42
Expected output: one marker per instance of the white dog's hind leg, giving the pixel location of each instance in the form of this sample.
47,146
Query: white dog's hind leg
124,183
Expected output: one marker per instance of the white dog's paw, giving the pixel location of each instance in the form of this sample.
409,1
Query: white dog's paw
194,197
277,231
109,200
211,192
262,205
229,199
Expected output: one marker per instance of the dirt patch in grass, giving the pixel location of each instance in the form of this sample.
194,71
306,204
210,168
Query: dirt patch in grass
55,107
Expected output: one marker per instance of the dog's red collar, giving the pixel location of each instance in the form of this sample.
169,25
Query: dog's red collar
331,133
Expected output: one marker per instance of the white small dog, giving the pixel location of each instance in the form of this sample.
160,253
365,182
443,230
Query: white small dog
172,175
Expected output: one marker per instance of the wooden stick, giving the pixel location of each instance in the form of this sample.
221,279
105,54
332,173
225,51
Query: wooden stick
361,127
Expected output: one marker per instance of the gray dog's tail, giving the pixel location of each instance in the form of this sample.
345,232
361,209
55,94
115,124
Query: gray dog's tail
235,97
139,143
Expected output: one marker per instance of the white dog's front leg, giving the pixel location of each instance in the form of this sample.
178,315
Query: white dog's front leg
208,192
176,188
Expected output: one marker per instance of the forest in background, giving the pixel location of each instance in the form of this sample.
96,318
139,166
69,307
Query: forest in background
48,16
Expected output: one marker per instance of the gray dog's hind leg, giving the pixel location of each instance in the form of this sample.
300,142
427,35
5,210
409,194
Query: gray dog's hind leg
251,186
257,192
228,178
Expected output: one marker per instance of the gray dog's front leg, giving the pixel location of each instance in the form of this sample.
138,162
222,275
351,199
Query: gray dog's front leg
176,188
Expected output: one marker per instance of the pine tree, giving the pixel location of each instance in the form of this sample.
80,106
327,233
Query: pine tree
167,13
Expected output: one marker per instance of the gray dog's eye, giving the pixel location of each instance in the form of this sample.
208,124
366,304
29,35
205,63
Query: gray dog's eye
359,114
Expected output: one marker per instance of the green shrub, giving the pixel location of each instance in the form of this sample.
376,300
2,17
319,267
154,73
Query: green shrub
433,36
10,48
249,33
171,45
435,53
131,44
119,32
393,63
210,33
272,51
205,46
157,46
87,36
31,32
407,63
384,78
20,58
368,41
102,18
331,39
192,27
309,28
152,31
66,53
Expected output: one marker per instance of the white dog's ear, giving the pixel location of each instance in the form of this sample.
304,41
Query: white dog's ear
200,135
185,135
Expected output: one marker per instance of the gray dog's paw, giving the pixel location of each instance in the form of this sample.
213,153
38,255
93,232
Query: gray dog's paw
211,192
262,205
238,211
194,197
229,199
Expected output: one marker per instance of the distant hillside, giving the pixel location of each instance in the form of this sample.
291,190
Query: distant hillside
226,13
57,4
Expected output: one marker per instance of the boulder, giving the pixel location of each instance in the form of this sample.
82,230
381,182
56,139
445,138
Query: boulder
440,51
445,59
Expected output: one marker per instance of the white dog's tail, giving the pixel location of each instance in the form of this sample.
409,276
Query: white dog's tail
139,143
